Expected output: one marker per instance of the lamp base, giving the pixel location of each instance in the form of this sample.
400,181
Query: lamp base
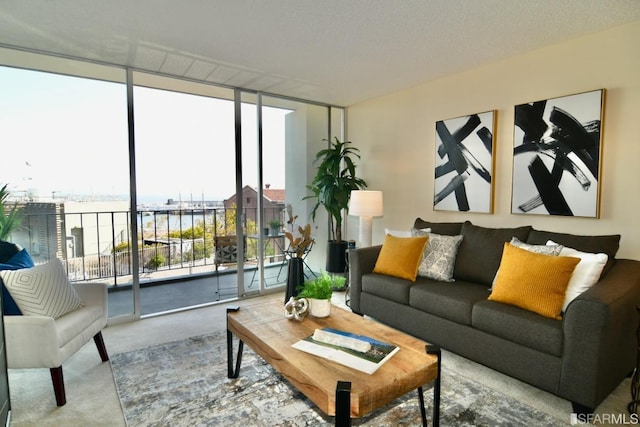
364,234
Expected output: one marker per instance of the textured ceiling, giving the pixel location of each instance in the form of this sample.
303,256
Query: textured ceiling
335,51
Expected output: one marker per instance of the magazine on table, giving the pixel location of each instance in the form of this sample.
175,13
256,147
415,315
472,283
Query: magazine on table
355,351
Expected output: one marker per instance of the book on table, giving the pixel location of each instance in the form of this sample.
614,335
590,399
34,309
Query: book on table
355,351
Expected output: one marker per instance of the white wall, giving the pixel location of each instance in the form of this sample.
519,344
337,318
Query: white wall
396,134
305,130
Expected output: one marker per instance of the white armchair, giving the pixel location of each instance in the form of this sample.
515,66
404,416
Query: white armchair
44,342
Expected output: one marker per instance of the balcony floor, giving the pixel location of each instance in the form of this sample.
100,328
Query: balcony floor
191,290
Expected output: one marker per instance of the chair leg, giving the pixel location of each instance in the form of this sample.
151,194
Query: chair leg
58,385
97,338
57,378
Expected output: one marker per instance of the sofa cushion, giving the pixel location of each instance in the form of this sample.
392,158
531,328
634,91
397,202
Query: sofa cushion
439,256
18,261
387,287
520,326
480,252
452,301
446,228
400,256
533,281
43,290
607,244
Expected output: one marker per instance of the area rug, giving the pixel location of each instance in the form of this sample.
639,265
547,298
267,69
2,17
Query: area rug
184,383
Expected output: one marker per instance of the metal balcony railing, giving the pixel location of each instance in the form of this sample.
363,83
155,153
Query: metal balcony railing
96,246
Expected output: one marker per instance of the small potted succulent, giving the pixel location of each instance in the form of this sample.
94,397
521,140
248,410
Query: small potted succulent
318,292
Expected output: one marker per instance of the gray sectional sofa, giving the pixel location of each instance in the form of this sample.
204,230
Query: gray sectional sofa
581,357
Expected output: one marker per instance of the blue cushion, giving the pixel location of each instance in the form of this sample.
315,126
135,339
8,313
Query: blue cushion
20,260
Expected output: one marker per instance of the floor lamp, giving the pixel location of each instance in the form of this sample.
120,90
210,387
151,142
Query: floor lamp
366,204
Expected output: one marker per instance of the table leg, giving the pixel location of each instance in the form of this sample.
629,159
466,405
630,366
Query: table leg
434,349
343,404
231,372
423,413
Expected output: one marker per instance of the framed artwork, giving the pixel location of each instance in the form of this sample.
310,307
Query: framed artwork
556,156
464,163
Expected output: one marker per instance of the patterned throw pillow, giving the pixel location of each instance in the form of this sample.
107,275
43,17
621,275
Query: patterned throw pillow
439,256
553,249
43,290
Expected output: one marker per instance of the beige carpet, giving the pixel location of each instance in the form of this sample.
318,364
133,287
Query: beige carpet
92,398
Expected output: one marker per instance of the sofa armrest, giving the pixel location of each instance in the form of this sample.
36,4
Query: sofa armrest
600,341
361,261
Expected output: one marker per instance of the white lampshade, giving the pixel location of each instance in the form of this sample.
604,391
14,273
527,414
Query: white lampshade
366,203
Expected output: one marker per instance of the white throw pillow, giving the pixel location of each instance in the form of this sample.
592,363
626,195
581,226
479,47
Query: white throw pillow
586,274
43,290
397,233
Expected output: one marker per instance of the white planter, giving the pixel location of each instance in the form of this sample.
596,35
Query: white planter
319,307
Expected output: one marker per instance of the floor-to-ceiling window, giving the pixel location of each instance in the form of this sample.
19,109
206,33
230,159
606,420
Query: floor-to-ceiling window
64,143
280,139
202,210
185,173
263,188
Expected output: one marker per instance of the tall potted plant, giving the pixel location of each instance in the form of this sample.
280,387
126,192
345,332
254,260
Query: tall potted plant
331,187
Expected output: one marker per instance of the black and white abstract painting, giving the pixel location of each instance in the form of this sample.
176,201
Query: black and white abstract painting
556,156
464,163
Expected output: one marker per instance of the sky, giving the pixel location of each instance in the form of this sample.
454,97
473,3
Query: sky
67,136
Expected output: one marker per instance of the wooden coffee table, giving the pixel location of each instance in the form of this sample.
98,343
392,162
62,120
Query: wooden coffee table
337,390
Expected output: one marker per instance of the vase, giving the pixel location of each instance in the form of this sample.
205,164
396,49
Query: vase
295,277
319,307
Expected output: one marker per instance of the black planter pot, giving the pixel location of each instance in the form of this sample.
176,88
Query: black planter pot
336,261
295,277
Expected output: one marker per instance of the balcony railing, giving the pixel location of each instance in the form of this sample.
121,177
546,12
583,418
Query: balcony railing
98,245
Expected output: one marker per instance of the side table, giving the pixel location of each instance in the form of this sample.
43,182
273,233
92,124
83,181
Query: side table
347,285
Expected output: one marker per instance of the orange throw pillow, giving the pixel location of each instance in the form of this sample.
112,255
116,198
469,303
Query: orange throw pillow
401,256
533,281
